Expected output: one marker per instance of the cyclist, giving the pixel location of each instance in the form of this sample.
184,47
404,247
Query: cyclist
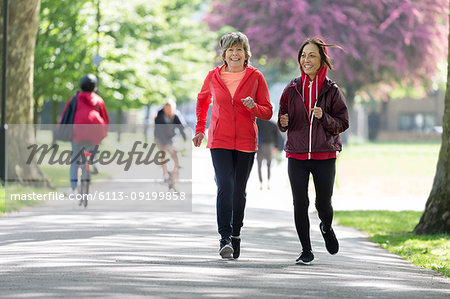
90,124
167,120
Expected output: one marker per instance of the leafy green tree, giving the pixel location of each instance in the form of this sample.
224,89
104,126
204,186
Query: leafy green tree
152,50
149,50
64,51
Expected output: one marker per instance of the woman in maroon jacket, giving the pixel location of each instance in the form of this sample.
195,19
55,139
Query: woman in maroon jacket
240,95
313,112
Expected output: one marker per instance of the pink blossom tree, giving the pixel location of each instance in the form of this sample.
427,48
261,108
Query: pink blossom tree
384,41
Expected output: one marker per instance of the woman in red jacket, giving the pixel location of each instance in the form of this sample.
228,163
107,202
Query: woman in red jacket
314,113
240,95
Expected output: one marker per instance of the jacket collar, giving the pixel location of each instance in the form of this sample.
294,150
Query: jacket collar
297,82
249,70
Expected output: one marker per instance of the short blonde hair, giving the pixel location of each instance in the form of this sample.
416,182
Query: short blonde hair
235,38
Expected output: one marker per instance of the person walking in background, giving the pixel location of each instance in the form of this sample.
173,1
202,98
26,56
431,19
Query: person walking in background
91,111
240,95
269,140
167,121
313,112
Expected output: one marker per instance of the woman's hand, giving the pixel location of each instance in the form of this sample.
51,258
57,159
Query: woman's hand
284,120
317,111
197,140
248,102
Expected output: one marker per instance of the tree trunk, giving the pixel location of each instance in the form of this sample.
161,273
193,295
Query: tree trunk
22,30
436,218
55,106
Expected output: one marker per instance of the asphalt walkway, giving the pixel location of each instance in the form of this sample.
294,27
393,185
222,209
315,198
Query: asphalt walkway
76,253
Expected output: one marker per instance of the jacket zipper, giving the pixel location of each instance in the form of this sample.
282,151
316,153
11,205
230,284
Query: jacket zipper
234,110
235,128
310,123
311,117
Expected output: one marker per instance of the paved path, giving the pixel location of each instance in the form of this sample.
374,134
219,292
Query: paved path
89,253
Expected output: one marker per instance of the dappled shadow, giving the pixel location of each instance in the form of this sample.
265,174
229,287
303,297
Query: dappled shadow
175,254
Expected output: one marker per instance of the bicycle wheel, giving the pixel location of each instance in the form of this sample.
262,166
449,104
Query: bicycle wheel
84,192
79,187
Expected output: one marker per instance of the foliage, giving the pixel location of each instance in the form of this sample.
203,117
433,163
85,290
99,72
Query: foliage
392,231
153,50
150,50
64,49
382,40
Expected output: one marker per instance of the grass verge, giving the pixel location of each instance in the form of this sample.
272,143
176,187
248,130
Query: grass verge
17,205
393,231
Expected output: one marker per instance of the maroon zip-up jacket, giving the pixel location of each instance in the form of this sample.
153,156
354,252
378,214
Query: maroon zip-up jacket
325,131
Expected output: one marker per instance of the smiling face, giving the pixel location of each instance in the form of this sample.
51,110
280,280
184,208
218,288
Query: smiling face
310,60
235,58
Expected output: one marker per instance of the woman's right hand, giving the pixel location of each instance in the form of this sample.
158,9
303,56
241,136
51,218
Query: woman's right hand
284,120
197,140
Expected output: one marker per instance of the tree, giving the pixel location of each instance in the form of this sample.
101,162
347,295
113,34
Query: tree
150,50
436,217
64,50
383,40
22,30
153,50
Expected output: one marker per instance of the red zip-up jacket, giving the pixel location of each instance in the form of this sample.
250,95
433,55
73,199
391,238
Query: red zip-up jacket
91,120
325,131
233,125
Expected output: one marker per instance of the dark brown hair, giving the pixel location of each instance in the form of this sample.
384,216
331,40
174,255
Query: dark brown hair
324,58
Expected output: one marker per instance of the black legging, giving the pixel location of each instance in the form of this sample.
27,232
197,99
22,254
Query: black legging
323,172
232,169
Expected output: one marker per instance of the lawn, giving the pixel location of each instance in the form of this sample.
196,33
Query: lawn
17,205
393,231
387,169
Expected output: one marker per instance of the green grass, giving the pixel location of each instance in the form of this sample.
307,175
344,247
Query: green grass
394,157
387,169
393,231
17,205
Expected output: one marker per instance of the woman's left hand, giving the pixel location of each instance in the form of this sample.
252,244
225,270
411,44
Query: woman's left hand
248,102
317,111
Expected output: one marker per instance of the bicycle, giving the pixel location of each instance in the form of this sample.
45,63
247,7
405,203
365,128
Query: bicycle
84,179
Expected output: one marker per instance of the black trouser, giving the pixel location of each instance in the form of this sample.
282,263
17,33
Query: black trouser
232,169
323,172
264,153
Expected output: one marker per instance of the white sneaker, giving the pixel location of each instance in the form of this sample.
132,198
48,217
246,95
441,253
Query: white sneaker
226,249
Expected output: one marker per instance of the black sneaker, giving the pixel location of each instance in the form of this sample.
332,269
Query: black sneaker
306,258
236,243
226,250
331,243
